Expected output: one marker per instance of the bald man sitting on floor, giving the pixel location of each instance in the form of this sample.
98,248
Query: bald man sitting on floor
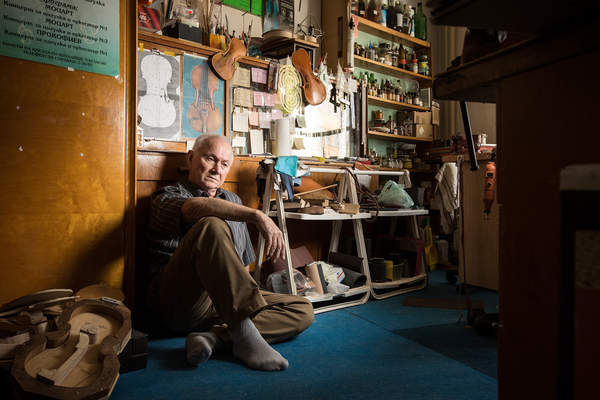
201,251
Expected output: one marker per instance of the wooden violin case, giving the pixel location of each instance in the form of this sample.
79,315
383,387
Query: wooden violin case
314,90
223,64
77,360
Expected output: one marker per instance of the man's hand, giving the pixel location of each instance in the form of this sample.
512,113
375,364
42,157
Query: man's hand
274,247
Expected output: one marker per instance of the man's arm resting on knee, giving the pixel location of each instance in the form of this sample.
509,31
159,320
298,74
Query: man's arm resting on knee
198,207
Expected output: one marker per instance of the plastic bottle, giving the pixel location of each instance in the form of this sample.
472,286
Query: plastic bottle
383,15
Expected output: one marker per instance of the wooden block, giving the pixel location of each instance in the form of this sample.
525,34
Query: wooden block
314,210
349,208
312,271
291,205
319,202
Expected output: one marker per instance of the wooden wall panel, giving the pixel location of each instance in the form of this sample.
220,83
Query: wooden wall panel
64,168
535,120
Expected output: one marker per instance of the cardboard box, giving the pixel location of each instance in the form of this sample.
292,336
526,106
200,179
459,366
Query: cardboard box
148,19
435,113
180,30
423,130
421,117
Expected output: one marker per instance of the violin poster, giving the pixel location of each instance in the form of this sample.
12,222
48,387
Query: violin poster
159,94
203,95
78,34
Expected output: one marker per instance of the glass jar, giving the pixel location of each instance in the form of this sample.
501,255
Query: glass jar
382,52
395,58
389,57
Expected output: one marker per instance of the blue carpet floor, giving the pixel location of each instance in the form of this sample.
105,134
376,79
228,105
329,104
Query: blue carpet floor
381,349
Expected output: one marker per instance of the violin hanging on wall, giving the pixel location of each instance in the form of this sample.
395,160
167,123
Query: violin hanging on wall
312,87
224,63
203,114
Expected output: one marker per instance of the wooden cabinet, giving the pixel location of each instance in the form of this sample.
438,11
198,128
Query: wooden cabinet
478,231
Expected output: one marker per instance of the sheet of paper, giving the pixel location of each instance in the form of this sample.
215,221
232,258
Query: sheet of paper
270,99
265,120
256,141
259,99
253,118
242,97
240,122
259,75
276,114
298,143
238,141
241,77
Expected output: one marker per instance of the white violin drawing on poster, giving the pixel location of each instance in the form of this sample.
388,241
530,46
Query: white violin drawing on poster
158,95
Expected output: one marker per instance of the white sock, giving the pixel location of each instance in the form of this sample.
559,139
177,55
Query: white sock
199,346
250,347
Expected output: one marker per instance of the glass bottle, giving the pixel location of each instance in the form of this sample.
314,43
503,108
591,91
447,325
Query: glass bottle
402,58
420,22
411,15
398,16
391,15
414,64
362,8
372,11
424,65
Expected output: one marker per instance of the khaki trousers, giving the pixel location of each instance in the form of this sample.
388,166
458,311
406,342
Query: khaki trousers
205,286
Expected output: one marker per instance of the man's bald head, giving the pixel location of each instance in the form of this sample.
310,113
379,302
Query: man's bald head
204,141
209,162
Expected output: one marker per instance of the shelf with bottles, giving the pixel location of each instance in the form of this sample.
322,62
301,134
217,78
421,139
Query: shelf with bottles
394,125
424,81
395,104
400,22
391,136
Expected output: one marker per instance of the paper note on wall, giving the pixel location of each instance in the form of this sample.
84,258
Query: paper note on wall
259,99
256,141
265,120
241,77
238,141
240,121
270,99
253,118
259,75
242,97
276,114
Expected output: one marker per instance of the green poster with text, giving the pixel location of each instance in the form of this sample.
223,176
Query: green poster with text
78,34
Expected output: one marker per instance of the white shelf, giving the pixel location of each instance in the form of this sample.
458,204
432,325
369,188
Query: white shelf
330,215
393,284
400,213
